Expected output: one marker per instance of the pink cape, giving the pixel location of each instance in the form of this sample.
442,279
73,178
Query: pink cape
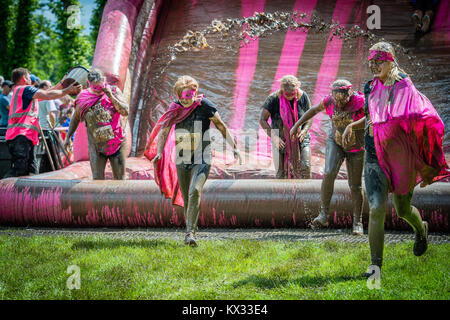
408,135
165,171
291,150
86,100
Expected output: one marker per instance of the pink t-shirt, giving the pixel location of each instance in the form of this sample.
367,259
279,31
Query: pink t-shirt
354,108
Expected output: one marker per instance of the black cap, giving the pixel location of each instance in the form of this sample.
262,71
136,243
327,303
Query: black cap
7,83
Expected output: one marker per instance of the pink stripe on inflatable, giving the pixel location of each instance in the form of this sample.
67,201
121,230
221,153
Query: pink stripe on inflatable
115,37
361,16
248,57
442,21
293,44
144,45
332,56
442,17
289,60
330,65
80,145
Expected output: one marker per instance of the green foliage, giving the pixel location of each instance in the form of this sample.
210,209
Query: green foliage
24,35
47,49
73,48
46,53
111,268
7,18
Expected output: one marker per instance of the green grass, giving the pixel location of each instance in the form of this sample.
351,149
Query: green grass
35,268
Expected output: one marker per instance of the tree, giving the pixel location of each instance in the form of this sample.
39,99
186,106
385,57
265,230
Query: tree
7,18
24,35
46,55
73,48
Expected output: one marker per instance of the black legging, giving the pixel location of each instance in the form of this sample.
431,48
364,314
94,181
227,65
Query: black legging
334,156
192,179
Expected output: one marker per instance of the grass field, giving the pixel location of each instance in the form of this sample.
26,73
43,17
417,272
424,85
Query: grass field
36,268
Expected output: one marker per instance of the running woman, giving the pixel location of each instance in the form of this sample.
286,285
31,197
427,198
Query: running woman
191,116
343,106
403,141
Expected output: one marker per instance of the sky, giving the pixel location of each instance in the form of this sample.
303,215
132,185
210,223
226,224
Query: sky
87,7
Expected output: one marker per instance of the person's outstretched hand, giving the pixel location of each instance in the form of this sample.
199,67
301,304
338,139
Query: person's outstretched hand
73,89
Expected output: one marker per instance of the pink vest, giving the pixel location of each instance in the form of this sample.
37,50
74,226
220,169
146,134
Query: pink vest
23,120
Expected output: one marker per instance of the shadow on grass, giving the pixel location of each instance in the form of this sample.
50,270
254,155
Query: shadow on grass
305,281
117,243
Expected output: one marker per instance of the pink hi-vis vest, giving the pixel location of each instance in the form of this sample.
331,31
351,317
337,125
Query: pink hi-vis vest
23,120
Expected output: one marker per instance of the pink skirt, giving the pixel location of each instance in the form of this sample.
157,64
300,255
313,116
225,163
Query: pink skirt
410,151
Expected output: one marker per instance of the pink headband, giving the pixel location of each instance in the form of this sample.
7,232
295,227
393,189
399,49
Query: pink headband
380,55
342,88
188,94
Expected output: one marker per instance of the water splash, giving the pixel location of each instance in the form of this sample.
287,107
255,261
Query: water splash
232,33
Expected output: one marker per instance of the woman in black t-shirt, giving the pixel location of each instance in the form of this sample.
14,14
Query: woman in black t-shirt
191,115
292,159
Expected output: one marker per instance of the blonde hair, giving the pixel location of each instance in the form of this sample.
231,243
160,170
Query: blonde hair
288,83
395,70
184,82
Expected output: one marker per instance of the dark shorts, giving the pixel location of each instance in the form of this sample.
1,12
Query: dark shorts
377,185
114,155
